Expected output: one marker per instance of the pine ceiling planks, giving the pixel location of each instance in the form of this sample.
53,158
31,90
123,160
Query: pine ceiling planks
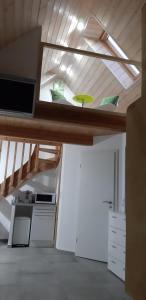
121,19
20,12
36,5
8,6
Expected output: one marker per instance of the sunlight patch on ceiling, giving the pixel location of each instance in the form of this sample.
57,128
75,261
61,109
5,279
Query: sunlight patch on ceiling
121,53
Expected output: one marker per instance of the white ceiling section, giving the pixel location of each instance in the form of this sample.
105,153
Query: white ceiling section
70,23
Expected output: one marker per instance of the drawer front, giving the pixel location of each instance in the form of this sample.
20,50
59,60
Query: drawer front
117,221
116,267
116,251
45,207
42,210
42,228
43,213
117,236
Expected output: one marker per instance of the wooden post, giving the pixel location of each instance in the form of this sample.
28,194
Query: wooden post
144,55
6,168
37,158
14,163
21,167
136,187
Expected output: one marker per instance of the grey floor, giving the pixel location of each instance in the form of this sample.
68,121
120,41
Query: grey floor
48,274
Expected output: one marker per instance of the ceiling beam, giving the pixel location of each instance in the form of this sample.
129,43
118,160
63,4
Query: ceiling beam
90,119
61,124
28,140
40,131
91,54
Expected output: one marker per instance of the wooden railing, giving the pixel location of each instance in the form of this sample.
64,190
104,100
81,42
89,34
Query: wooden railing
27,169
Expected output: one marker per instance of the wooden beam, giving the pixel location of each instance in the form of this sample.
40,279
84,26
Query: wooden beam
27,140
61,124
87,118
53,151
91,54
44,131
136,188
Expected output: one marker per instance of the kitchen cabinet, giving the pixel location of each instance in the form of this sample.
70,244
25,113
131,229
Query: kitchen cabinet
43,224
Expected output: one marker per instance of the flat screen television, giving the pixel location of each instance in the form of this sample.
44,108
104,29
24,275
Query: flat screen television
16,95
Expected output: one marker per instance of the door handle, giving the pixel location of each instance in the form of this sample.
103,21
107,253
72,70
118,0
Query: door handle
108,202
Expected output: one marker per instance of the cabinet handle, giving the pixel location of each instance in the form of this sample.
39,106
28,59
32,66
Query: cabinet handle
114,231
114,217
113,262
114,247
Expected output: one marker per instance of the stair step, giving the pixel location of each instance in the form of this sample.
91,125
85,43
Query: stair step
53,151
51,160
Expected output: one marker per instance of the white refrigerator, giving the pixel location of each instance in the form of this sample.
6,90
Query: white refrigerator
21,231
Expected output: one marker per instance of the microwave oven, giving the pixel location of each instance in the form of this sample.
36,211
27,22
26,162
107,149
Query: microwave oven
46,198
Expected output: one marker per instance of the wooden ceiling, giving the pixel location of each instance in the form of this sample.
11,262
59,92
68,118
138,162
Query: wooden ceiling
60,19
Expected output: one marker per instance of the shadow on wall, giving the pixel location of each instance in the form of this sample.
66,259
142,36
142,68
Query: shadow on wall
5,215
44,182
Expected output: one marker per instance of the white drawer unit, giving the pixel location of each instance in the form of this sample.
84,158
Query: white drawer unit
116,251
117,236
117,220
117,244
117,267
43,222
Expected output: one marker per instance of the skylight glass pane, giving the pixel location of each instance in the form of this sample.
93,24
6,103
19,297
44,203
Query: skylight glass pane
117,48
119,72
122,54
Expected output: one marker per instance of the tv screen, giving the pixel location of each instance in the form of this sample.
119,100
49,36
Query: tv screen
16,94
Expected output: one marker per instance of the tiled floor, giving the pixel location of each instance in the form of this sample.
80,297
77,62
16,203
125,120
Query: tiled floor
48,274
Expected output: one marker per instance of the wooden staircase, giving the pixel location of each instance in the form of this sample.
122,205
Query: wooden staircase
40,158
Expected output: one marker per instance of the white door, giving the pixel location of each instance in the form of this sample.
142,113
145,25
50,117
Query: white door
96,188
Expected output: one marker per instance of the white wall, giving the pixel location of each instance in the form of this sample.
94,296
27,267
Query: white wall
68,205
70,177
20,58
43,182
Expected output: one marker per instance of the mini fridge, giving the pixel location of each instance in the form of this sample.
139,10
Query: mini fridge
21,231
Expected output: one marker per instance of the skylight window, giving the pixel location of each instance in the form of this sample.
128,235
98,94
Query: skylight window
120,72
78,56
69,71
80,26
63,68
120,52
73,24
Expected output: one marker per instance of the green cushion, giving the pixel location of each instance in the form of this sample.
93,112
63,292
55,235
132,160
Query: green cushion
56,95
110,100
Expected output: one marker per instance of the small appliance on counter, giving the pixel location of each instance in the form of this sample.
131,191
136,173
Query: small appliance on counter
24,197
45,198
